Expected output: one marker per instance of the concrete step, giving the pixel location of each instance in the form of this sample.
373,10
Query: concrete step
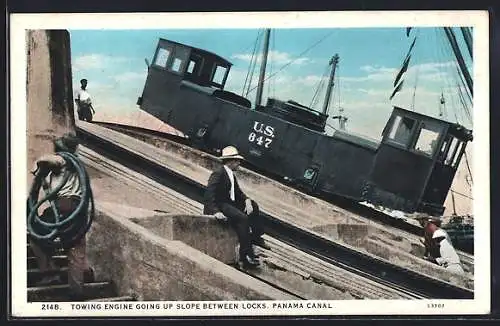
61,292
95,291
30,253
59,261
35,275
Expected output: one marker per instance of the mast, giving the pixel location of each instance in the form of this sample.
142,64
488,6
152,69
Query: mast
333,62
468,39
463,68
453,203
260,86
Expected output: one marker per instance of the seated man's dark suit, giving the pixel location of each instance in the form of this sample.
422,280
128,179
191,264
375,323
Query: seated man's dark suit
217,199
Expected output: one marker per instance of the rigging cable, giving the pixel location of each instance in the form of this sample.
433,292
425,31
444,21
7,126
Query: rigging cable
320,83
459,80
251,63
467,111
272,54
444,56
416,78
298,57
462,194
468,167
274,49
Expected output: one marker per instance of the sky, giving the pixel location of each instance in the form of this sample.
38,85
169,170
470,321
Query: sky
113,61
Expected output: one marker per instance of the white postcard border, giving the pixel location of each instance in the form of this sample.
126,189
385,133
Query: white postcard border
19,23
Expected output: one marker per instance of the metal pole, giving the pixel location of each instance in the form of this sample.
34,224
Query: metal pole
468,39
454,45
260,86
333,62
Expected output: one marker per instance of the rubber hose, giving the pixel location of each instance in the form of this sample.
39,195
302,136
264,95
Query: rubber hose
68,229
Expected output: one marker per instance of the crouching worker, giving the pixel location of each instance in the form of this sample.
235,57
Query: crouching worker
66,221
225,200
430,225
446,256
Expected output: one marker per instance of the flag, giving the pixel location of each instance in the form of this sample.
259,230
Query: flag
406,63
397,89
403,70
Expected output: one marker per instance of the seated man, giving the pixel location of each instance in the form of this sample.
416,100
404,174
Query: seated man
225,200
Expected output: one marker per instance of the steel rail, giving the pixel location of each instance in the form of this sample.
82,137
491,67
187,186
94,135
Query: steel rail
344,203
372,267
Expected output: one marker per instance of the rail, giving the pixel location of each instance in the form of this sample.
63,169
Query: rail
344,203
335,253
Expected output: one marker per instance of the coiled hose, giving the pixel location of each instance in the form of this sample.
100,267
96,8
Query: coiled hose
64,231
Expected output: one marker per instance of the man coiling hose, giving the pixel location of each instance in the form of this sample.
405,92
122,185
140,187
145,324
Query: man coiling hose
66,221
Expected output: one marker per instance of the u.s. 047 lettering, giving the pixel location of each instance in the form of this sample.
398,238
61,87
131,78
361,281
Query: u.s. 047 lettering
261,134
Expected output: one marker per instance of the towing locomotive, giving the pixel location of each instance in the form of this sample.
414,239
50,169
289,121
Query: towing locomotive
411,169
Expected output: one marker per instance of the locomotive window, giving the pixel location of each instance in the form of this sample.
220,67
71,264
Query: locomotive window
194,66
176,65
219,74
180,59
191,65
452,152
162,57
401,130
459,154
427,139
455,153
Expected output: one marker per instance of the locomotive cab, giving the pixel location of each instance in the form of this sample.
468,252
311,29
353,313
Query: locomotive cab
176,66
416,162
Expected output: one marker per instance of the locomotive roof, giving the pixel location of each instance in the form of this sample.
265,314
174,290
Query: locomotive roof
457,128
201,51
360,140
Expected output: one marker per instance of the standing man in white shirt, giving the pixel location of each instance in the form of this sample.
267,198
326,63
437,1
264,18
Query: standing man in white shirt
84,102
225,200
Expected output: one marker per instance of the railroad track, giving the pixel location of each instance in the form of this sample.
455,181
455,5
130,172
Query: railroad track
344,203
420,286
306,276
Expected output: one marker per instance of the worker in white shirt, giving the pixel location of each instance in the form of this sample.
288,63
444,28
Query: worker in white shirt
60,176
448,257
84,102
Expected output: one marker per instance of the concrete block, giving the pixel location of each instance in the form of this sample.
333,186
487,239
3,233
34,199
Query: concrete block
202,232
151,267
411,262
353,234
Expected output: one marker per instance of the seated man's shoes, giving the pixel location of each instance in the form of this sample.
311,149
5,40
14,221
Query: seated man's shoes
259,241
249,262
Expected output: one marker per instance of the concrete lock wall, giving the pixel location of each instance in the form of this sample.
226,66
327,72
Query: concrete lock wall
152,267
49,91
202,232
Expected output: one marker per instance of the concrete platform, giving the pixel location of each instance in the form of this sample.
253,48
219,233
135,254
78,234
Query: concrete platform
315,215
152,267
284,266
